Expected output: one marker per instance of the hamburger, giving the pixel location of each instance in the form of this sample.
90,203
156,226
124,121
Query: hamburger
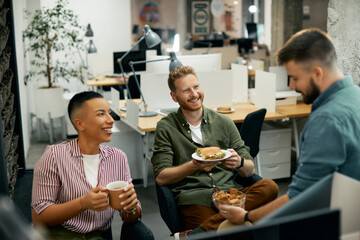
210,153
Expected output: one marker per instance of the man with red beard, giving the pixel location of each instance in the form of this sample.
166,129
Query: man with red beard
177,137
69,195
329,141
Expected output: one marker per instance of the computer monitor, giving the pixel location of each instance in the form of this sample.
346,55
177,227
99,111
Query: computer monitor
244,45
134,56
318,224
252,31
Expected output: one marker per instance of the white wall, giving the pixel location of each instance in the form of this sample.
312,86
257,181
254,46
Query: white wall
110,21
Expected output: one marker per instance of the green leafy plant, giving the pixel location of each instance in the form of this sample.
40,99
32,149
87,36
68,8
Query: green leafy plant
55,40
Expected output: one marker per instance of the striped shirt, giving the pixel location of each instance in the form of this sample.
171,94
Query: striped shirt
59,177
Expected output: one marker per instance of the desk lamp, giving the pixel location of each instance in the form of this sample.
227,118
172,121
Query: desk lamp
151,38
89,33
174,63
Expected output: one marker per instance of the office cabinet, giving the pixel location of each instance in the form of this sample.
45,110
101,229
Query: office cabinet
12,160
274,157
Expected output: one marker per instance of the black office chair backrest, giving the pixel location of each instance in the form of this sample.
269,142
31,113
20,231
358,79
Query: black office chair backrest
168,209
251,128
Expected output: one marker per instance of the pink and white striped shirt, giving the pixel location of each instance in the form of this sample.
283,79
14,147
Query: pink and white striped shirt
59,177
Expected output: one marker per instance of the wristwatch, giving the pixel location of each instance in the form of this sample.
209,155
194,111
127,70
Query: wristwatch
241,163
247,221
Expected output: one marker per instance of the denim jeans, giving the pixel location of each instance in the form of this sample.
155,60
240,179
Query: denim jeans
135,231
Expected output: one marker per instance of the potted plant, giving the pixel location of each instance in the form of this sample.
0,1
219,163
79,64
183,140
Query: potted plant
50,31
53,38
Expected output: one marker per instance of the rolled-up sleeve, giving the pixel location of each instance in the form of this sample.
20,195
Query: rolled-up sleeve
46,182
322,151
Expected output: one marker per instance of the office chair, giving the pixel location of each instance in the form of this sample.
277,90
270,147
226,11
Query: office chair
250,133
168,209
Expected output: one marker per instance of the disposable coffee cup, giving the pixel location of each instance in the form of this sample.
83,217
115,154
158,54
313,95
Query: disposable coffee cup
114,189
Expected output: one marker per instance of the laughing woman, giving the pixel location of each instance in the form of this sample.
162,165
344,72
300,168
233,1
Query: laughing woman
68,195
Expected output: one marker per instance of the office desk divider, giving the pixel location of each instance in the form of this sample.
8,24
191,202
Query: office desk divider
345,195
281,78
132,112
265,90
217,86
115,96
240,83
229,54
156,91
335,191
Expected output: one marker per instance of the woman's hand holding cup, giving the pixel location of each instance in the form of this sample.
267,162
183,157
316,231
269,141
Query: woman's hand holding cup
96,199
121,195
128,198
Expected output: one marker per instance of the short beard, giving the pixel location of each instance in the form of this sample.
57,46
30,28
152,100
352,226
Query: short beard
314,93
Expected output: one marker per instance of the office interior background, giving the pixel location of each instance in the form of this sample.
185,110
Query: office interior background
119,24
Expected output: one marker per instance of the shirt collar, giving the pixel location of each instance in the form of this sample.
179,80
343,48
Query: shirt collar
183,121
338,85
104,152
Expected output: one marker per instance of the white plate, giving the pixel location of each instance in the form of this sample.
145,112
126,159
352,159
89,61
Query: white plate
227,155
219,111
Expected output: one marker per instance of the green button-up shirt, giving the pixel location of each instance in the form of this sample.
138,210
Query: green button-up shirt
174,146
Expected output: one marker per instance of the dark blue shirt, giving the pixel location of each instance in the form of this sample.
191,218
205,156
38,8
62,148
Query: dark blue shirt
330,140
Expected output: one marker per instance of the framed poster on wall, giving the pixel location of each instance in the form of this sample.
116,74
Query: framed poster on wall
200,18
232,18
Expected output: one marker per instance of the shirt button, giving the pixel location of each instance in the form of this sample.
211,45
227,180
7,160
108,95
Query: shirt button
214,186
210,174
188,131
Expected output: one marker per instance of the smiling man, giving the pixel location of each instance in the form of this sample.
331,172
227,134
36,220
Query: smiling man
329,141
68,194
177,137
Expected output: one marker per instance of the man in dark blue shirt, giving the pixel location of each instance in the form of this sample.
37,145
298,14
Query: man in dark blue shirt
329,141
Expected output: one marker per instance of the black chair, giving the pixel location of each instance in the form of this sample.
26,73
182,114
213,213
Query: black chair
168,209
250,131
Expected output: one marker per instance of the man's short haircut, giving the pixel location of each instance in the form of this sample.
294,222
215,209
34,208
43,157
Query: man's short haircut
307,47
177,73
79,99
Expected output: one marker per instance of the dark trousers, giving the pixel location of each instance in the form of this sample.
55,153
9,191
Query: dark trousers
209,218
134,231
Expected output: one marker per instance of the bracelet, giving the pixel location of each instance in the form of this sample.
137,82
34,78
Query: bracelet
241,163
246,218
131,211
